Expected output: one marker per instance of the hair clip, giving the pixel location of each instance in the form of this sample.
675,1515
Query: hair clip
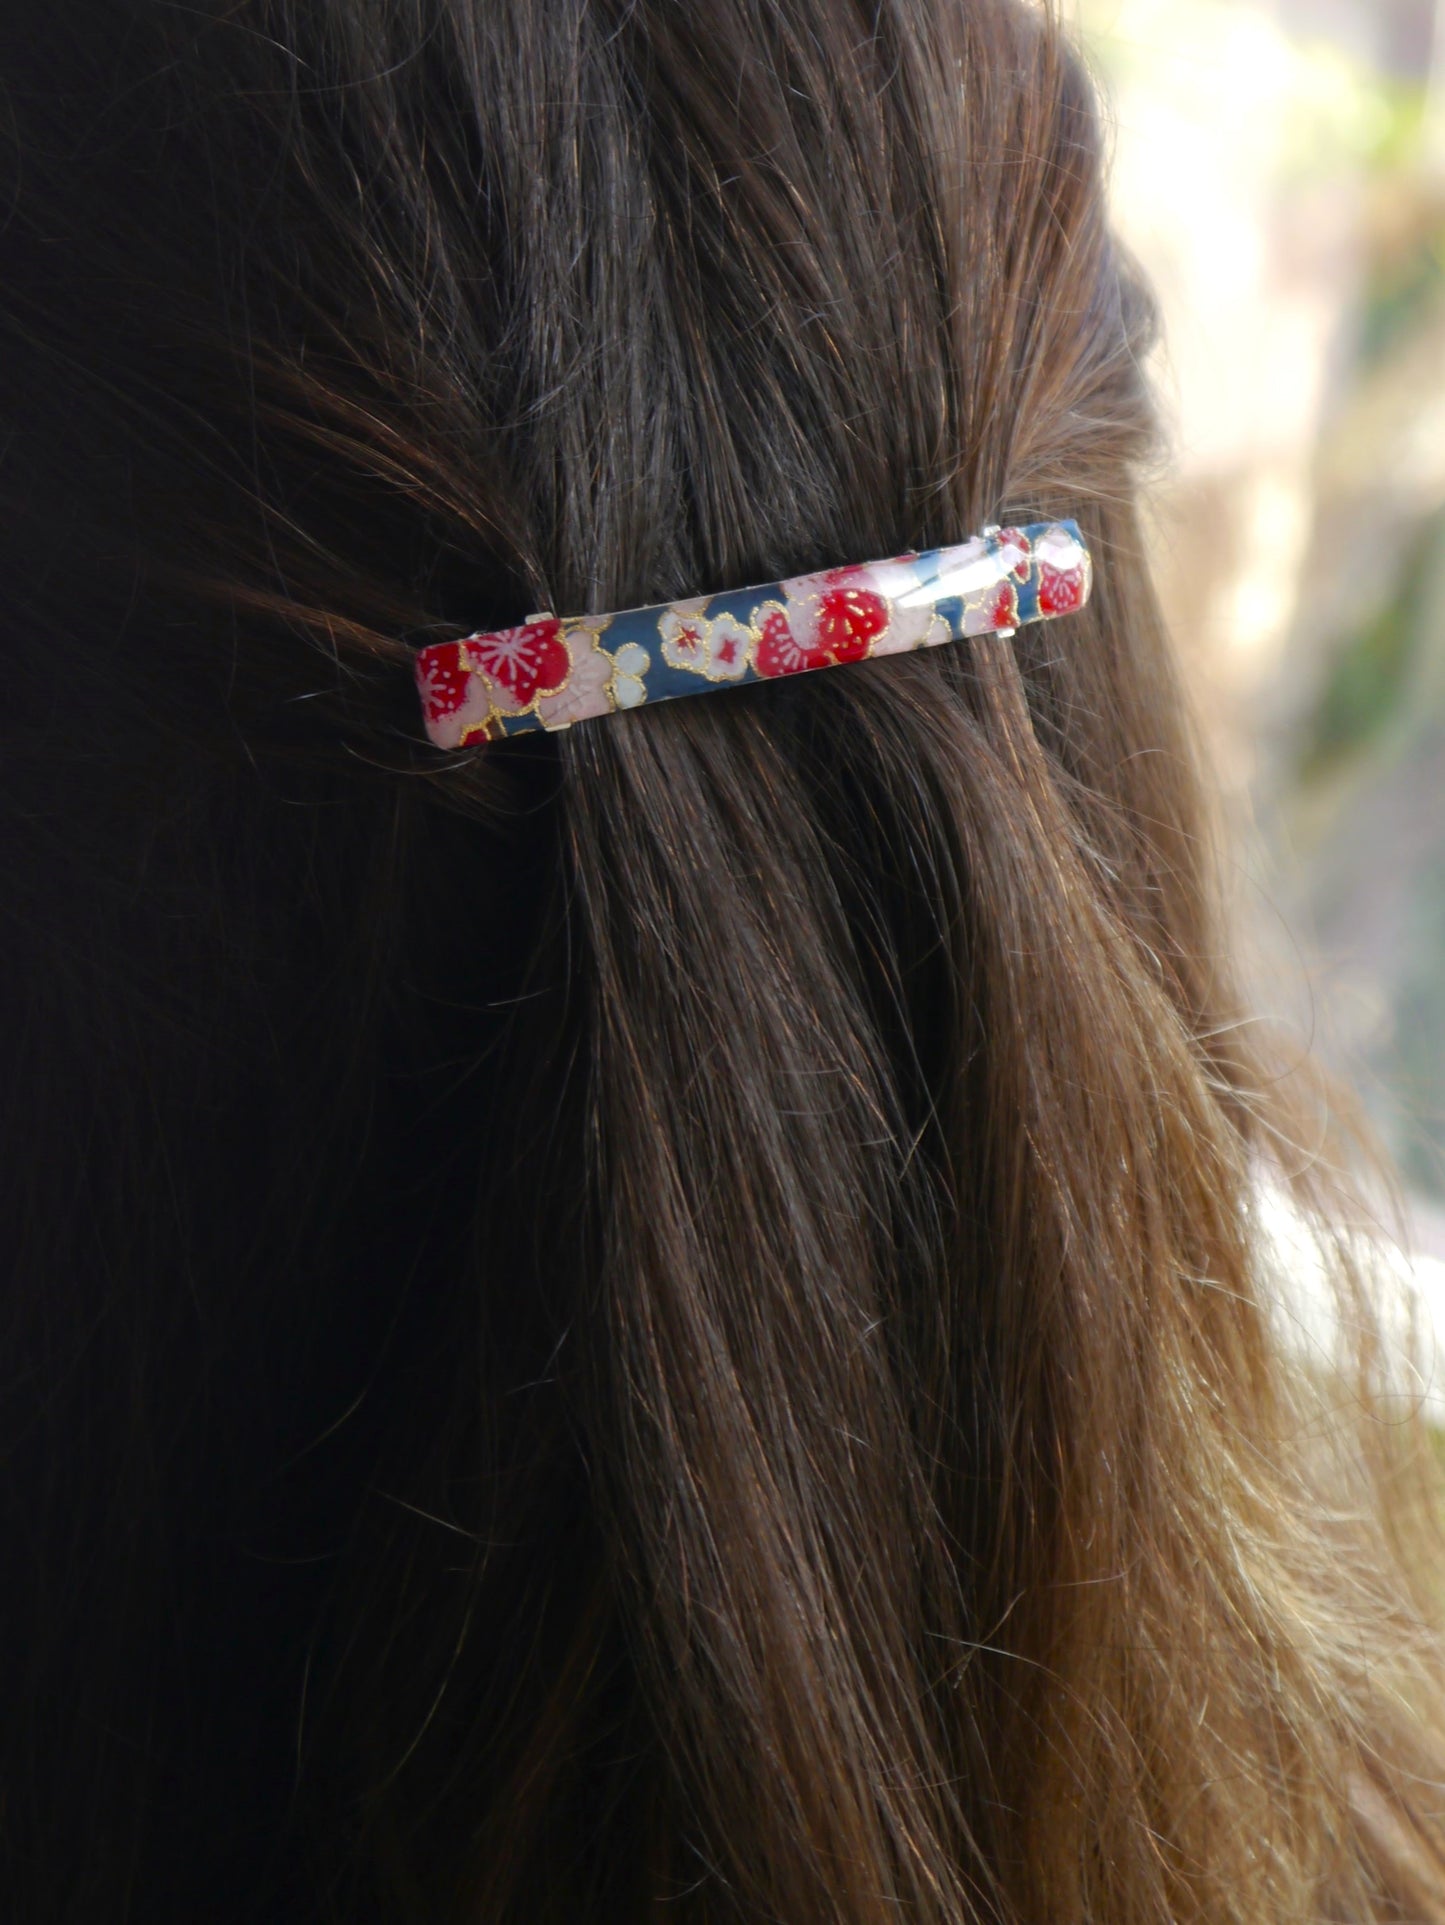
548,674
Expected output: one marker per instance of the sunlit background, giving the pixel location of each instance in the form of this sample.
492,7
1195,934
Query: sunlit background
1279,167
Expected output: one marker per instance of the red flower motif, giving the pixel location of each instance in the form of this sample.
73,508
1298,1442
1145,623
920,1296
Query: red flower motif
849,621
526,662
1004,612
1061,590
441,678
779,651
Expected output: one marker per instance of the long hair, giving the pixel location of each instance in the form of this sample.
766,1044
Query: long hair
670,1321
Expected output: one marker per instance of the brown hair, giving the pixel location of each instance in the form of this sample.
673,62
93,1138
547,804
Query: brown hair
666,1322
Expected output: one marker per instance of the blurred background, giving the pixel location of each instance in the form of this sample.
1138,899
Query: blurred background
1279,168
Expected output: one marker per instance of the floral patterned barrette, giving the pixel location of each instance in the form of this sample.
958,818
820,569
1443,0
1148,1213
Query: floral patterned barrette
548,674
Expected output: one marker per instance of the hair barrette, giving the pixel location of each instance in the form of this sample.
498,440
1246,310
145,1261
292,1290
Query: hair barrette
549,673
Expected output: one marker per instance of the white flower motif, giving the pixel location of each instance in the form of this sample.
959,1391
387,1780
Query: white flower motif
890,579
1058,548
913,621
586,691
914,628
728,645
630,664
963,570
685,632
913,587
720,649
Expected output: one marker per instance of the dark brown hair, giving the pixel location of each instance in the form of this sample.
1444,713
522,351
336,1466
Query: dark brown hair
668,1322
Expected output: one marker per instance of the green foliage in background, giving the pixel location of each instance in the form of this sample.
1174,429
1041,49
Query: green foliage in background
1368,682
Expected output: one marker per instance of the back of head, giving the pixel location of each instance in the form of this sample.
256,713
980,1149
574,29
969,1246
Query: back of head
659,1321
